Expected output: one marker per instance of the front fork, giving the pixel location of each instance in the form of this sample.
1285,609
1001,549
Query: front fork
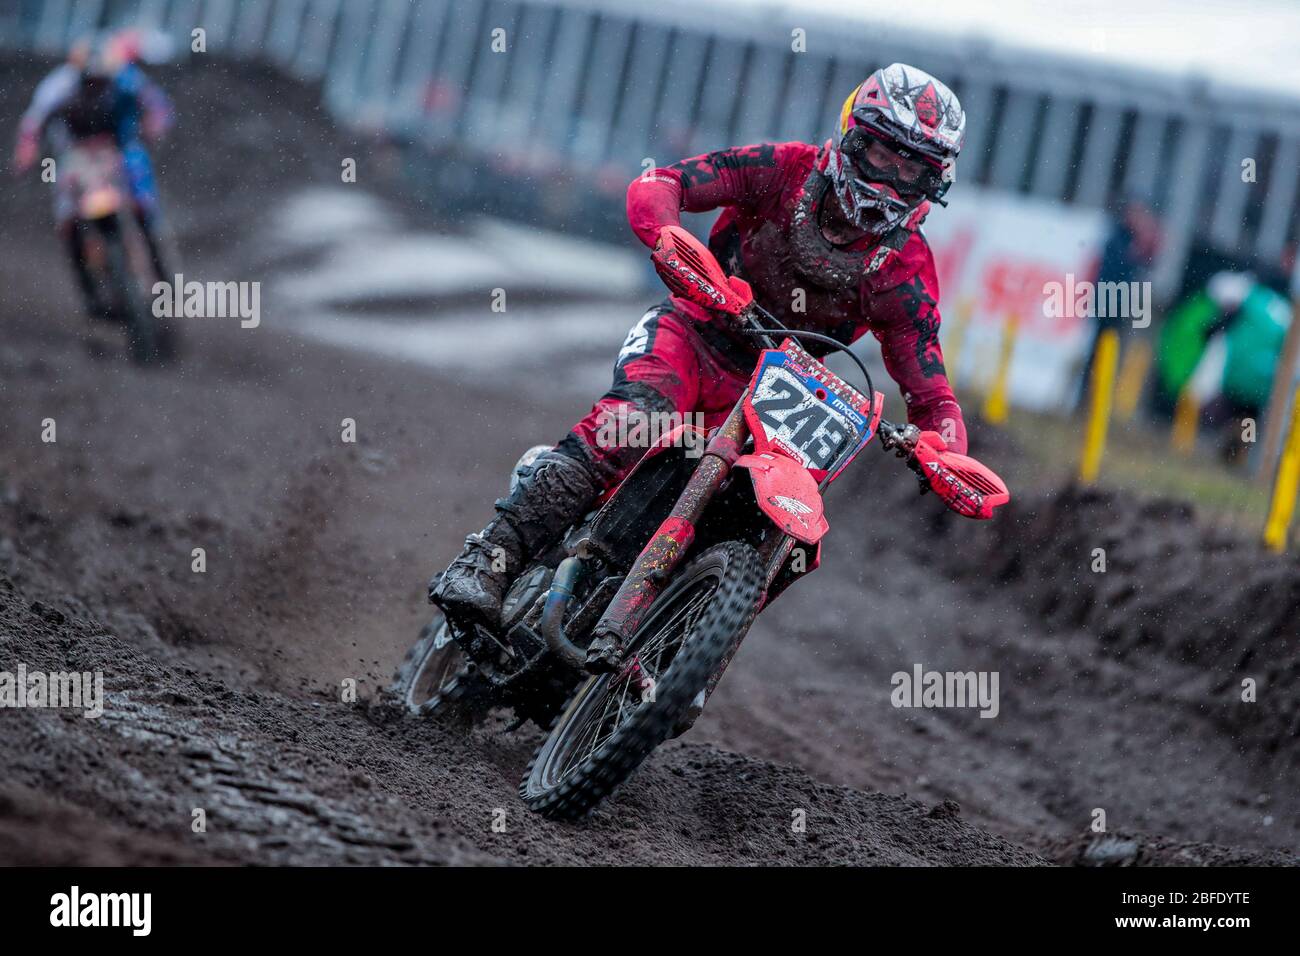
663,553
661,556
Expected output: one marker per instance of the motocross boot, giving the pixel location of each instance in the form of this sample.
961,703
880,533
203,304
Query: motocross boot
548,496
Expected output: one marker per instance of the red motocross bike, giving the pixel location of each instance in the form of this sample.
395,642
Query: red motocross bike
676,562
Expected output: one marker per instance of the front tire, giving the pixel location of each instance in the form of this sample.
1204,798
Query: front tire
607,731
141,327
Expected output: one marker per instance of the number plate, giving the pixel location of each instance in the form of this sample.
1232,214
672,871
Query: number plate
794,407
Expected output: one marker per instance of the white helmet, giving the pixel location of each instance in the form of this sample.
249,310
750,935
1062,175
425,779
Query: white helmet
899,136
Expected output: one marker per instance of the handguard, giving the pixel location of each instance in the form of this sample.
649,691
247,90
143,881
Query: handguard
691,271
963,484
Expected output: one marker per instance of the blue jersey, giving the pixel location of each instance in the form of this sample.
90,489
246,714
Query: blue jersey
130,107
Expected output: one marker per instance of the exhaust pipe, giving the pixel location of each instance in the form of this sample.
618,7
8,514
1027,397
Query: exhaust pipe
551,625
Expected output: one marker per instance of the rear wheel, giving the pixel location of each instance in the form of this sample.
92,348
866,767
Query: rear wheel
437,677
614,721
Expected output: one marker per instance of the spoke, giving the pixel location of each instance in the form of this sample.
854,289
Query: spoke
607,716
665,629
592,732
578,755
622,697
656,669
691,613
605,719
684,611
593,725
613,729
609,699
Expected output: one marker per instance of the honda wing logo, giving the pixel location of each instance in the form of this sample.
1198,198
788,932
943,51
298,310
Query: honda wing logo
792,506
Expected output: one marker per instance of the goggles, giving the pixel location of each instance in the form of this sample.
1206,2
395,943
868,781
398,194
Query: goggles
874,160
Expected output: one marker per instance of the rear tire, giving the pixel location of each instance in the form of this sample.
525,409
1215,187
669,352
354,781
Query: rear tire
436,677
697,621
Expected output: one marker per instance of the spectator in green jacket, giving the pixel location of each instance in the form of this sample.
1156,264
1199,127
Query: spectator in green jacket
1224,343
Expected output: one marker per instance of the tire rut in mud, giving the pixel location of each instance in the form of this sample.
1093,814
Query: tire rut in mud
314,781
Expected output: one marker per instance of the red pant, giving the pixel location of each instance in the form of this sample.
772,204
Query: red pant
665,370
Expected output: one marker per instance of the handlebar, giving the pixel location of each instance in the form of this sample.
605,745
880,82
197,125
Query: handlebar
754,317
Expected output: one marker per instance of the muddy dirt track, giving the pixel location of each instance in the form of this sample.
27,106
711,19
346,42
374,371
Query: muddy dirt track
1119,691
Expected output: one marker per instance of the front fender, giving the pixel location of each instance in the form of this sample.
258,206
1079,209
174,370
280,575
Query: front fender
787,494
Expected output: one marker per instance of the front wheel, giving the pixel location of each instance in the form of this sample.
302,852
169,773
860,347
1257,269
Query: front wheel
614,721
141,326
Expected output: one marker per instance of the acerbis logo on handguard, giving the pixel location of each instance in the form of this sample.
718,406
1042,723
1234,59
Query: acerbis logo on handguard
959,488
698,281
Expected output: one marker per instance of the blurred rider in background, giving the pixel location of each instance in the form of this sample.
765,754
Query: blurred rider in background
99,90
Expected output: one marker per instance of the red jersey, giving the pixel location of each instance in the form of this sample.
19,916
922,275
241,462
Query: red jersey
768,234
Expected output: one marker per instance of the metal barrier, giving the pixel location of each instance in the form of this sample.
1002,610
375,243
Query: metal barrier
589,84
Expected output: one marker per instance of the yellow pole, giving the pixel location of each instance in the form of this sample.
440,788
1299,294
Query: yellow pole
1187,422
1133,371
996,404
1285,485
1102,388
953,354
1283,374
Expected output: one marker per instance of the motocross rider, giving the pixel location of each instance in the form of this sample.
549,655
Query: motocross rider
99,90
829,239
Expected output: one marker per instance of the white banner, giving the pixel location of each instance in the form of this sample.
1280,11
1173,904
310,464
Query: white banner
995,252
